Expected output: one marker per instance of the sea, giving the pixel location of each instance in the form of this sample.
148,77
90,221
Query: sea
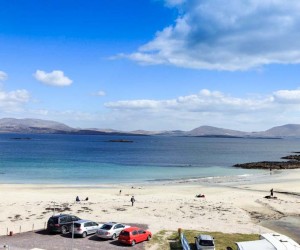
103,159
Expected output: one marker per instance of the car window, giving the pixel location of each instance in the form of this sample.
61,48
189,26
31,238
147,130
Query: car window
73,218
77,224
69,219
87,224
106,227
63,220
206,243
95,224
141,231
134,233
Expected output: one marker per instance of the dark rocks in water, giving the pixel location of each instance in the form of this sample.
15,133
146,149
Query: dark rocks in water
291,157
21,138
120,140
293,163
270,165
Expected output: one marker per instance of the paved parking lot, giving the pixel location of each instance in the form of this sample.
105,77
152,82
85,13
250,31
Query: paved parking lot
42,240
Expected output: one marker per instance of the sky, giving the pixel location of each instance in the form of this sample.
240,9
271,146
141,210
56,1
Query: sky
151,64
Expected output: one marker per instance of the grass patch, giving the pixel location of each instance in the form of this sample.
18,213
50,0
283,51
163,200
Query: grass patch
169,240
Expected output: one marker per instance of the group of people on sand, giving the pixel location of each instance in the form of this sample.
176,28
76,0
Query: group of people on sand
132,200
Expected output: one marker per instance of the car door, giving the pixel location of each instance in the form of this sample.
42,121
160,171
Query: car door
94,227
135,236
142,235
119,228
86,226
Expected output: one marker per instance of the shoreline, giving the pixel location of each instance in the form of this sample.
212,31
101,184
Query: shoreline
230,204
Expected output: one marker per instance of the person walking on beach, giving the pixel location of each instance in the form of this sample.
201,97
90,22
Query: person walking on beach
120,192
271,191
77,199
132,200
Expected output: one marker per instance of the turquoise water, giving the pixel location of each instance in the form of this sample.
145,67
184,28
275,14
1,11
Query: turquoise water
80,159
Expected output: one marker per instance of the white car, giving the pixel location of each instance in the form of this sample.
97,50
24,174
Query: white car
204,242
84,227
110,230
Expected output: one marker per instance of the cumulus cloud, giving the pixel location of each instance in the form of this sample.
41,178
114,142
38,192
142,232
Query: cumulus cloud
13,100
204,101
287,96
238,35
54,78
208,107
3,76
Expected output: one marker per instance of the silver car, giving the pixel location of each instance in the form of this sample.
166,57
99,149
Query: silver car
84,227
110,230
204,242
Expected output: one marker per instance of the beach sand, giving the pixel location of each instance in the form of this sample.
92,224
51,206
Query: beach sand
232,205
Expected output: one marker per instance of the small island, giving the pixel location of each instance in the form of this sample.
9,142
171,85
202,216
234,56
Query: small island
120,140
21,138
293,163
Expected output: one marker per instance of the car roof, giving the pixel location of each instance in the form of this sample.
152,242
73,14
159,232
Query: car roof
83,221
130,229
111,223
205,237
61,215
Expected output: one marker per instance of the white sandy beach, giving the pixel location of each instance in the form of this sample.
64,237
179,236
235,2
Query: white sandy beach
228,207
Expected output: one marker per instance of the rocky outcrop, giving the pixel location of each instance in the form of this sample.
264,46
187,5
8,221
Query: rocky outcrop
270,165
292,157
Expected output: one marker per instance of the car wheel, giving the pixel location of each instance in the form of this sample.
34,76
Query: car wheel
149,237
64,230
133,243
114,236
84,234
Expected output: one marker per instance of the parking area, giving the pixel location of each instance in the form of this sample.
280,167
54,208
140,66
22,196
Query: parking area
43,240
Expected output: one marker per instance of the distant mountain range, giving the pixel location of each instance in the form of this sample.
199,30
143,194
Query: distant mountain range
36,126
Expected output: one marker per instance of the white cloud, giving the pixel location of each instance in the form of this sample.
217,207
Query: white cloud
54,78
238,35
172,3
100,93
287,96
3,76
208,108
12,101
204,101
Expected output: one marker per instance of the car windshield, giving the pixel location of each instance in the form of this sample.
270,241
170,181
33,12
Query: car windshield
53,220
206,243
106,227
77,224
124,233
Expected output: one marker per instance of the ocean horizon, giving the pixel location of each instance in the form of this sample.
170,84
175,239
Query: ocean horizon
95,160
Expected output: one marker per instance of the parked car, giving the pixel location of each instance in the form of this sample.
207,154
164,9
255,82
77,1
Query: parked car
61,223
110,230
84,227
133,235
204,242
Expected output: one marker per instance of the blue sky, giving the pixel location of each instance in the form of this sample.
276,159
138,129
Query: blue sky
151,64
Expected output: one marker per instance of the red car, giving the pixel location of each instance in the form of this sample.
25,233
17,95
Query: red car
133,235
